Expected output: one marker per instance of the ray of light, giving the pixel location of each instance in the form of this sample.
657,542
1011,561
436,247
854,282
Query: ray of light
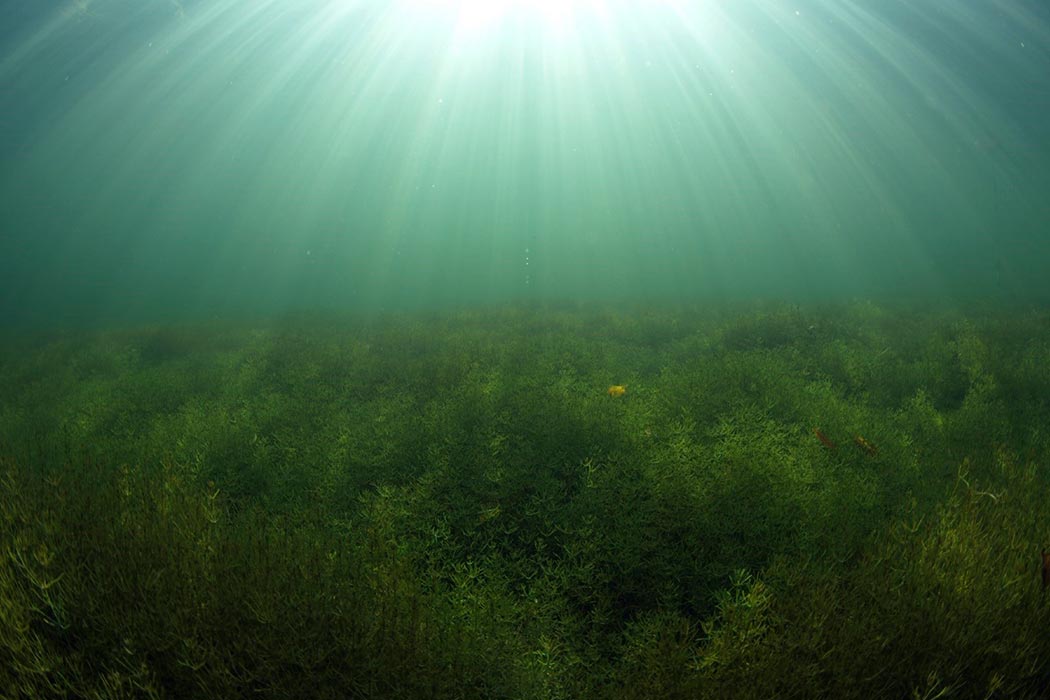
427,145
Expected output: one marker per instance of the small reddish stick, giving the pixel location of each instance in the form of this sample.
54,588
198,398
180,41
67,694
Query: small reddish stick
824,439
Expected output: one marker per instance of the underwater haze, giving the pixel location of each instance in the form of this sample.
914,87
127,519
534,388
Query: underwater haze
191,159
524,349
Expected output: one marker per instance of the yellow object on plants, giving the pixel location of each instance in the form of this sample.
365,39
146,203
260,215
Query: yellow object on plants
616,391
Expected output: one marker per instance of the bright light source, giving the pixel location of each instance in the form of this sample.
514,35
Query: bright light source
474,16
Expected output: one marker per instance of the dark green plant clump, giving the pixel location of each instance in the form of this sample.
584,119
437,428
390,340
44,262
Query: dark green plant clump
841,502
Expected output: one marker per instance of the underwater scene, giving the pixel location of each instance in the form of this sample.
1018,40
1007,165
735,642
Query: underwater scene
524,349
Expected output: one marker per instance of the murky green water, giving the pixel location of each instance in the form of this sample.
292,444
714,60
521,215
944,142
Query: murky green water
524,349
185,159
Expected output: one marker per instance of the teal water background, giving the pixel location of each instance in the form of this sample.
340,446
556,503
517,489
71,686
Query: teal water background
163,159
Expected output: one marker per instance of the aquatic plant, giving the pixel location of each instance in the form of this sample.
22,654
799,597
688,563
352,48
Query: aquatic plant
453,506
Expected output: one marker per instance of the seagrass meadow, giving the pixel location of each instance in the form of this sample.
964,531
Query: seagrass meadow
784,502
524,349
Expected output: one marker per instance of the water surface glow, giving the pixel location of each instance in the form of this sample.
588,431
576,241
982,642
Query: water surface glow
270,154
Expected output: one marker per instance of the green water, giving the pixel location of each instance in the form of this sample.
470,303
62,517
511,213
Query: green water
524,349
164,159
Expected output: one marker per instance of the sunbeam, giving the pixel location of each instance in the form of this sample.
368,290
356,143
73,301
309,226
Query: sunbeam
345,151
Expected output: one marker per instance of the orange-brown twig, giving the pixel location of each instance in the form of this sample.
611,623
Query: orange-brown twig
824,439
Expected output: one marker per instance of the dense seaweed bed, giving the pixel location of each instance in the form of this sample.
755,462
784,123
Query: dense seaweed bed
784,502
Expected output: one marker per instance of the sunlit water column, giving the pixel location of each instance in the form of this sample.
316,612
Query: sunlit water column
209,157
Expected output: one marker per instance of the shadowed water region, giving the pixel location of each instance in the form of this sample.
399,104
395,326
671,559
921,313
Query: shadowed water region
524,349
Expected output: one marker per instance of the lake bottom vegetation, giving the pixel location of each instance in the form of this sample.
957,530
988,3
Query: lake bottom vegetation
846,502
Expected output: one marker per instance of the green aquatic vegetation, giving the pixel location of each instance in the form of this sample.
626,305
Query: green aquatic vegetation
161,577
947,600
454,506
